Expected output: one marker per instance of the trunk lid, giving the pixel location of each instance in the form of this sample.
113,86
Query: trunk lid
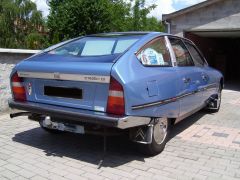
67,81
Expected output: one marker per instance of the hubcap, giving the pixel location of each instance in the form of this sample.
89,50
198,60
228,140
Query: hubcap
160,130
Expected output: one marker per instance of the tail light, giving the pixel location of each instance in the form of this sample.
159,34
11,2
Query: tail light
115,103
18,90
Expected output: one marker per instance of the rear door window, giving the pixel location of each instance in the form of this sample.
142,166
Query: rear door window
197,58
155,53
183,57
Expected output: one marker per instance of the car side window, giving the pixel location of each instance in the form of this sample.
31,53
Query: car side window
197,58
183,57
155,53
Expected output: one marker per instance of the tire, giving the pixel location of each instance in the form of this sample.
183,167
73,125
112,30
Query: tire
52,131
160,136
218,102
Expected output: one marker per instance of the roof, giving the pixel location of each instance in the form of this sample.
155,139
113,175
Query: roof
189,9
129,33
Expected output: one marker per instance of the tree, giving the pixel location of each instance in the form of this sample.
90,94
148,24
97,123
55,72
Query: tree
120,16
21,25
72,18
141,21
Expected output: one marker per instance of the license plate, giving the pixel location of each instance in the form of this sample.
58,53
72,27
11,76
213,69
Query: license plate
75,129
65,127
63,92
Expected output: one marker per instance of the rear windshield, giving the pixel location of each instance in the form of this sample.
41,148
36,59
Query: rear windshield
96,46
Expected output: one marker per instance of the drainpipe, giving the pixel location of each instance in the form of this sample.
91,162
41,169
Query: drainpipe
168,27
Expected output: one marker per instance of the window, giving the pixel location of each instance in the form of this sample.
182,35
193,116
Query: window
122,45
183,57
96,46
197,58
155,53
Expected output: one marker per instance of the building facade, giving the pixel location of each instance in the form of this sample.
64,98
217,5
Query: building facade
214,25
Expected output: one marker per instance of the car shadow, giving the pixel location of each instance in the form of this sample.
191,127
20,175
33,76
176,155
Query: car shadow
89,148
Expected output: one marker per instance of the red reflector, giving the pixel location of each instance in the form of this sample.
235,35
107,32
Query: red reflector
116,104
18,89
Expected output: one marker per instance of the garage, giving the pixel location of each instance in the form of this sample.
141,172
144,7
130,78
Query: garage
222,51
214,26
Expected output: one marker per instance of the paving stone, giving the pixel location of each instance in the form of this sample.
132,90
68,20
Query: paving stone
4,156
20,178
236,142
11,167
56,177
110,175
37,177
75,177
92,176
58,172
25,173
209,174
220,134
91,170
75,171
8,174
142,173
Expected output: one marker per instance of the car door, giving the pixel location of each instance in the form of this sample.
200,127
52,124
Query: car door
189,78
152,85
202,66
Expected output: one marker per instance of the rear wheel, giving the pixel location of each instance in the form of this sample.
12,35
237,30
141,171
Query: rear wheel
215,104
160,136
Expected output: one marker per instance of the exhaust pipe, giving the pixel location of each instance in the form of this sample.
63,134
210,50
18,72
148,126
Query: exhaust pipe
13,115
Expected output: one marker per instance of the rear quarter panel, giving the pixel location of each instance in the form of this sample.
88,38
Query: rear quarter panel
144,85
215,77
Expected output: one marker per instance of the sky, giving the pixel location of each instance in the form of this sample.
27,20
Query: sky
163,6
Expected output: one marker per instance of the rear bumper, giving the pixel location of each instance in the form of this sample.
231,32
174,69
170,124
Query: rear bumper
80,116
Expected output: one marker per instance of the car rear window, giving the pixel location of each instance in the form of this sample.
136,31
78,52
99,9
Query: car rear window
96,46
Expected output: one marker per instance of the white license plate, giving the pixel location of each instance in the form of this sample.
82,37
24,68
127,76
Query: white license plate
65,127
75,129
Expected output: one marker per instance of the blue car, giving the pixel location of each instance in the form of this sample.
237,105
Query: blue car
139,83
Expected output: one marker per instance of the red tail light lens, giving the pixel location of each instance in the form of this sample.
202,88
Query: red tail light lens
18,90
116,104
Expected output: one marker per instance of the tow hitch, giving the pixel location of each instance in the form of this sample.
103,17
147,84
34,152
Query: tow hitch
48,123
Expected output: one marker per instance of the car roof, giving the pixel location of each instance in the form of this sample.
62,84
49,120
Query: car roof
129,33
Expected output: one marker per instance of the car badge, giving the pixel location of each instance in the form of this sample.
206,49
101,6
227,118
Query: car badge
29,88
56,75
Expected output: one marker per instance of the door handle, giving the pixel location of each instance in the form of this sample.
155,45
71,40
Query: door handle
186,80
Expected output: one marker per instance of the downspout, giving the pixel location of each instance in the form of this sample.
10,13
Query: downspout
168,26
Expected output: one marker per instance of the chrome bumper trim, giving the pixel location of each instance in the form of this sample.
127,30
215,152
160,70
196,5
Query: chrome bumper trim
79,115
